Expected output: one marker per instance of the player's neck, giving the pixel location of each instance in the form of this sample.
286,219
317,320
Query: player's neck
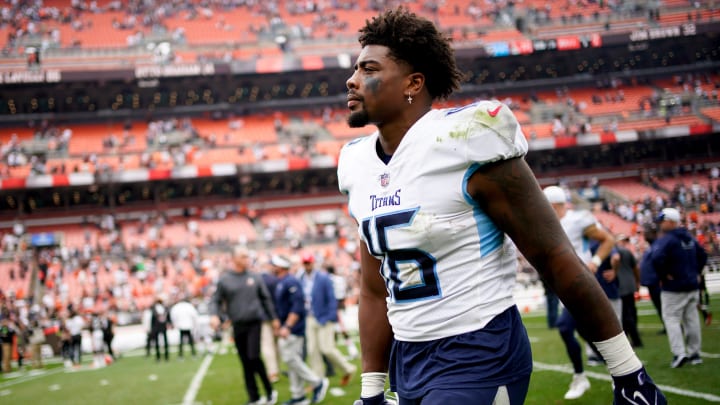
392,133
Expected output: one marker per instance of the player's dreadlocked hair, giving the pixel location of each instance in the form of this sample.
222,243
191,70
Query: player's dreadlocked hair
416,41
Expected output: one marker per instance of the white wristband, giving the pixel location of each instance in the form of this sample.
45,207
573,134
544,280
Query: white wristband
372,384
619,355
596,260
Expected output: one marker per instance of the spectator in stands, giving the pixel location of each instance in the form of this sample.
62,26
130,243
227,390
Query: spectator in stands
628,274
290,304
247,302
321,307
678,260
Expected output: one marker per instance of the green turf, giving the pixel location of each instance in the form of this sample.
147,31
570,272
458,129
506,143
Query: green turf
130,381
548,387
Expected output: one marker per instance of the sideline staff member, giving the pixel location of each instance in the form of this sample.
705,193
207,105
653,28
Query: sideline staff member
246,302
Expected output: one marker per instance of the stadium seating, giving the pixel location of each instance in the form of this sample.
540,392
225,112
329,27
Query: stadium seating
216,33
711,112
614,224
687,180
240,141
632,189
240,29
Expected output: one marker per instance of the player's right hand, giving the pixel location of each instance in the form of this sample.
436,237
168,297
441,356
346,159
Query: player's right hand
378,399
636,388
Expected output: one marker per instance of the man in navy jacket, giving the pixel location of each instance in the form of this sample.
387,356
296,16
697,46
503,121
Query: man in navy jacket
290,306
678,260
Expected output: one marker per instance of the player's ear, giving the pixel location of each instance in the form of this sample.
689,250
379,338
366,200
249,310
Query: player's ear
416,81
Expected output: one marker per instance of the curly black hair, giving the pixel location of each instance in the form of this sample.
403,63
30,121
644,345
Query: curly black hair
416,41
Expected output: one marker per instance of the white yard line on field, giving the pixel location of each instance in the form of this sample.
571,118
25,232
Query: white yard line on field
606,377
194,387
23,379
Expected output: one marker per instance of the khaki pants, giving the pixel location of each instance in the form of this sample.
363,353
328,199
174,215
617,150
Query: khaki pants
321,342
682,322
299,373
269,350
6,357
36,349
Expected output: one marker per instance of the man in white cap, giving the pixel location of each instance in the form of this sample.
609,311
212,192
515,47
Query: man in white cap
580,226
678,260
290,306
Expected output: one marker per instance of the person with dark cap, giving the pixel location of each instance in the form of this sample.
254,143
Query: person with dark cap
159,321
678,260
290,305
247,302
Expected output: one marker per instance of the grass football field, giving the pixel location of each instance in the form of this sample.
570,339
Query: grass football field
217,379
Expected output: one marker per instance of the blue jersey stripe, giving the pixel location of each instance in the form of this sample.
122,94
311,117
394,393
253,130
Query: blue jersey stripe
491,238
458,109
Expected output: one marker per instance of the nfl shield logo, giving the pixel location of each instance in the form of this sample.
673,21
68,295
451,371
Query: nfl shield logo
384,179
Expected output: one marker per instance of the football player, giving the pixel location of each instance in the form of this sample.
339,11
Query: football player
442,197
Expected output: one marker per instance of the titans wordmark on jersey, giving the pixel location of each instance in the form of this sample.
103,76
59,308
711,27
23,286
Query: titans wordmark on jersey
447,267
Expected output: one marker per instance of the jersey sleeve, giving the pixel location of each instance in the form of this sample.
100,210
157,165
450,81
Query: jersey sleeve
586,219
350,163
347,162
491,131
342,170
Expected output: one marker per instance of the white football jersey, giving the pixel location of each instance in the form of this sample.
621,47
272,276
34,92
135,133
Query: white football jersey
574,222
448,269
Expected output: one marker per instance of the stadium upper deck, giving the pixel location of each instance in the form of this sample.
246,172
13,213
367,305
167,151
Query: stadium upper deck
111,34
